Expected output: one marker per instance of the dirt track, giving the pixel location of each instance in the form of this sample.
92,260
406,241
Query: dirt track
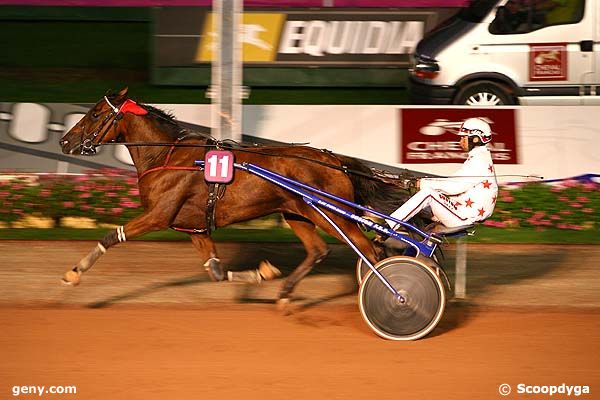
146,324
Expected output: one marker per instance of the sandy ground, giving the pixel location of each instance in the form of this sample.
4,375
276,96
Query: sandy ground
147,324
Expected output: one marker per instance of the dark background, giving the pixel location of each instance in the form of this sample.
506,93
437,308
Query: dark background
76,54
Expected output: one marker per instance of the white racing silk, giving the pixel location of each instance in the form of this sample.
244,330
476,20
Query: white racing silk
467,196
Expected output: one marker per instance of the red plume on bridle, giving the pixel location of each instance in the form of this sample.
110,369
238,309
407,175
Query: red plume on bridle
130,106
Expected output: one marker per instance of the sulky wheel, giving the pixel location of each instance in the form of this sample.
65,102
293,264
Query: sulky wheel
363,269
422,289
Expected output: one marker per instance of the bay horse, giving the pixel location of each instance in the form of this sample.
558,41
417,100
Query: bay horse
174,194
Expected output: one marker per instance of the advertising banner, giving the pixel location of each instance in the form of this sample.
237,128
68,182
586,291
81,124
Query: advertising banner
430,135
554,142
352,38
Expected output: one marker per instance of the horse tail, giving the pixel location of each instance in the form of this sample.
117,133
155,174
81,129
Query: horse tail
372,191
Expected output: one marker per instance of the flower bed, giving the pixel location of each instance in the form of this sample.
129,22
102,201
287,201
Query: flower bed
107,196
112,197
569,205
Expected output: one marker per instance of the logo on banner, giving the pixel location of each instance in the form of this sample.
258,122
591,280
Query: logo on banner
430,135
260,34
319,38
548,62
301,38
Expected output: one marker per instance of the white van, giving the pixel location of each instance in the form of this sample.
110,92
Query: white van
530,52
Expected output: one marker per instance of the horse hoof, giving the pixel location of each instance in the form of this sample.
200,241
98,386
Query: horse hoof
268,271
71,278
214,269
284,306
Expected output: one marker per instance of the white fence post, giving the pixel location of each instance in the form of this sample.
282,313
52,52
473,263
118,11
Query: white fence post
460,285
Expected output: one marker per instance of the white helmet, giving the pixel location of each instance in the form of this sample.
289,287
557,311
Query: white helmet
476,127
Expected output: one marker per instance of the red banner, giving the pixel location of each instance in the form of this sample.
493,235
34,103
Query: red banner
430,135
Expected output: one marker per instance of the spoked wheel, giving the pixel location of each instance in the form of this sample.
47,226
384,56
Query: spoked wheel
418,284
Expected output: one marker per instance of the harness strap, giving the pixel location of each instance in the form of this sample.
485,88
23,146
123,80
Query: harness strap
215,192
166,166
192,231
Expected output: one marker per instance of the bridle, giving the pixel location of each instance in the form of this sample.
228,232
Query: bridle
89,144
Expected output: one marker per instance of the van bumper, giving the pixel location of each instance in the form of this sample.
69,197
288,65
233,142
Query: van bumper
421,93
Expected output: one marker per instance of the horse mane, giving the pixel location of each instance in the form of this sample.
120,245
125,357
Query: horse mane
165,119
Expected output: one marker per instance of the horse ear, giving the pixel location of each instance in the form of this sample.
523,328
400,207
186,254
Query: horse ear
123,92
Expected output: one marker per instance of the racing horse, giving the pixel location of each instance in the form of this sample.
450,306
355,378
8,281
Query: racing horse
174,194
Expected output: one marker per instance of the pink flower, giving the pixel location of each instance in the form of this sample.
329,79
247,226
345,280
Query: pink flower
4,194
111,194
527,210
45,193
557,189
68,204
116,210
589,186
134,192
555,217
495,224
565,212
588,210
563,198
570,183
99,210
85,195
507,199
128,203
575,205
583,199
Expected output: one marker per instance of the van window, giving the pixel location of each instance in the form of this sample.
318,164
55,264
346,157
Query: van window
523,16
477,10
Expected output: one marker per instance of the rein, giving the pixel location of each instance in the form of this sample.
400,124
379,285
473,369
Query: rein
249,149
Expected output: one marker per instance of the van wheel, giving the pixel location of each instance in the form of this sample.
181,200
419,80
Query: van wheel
484,93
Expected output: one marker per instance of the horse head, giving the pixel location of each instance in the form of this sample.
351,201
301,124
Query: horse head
99,124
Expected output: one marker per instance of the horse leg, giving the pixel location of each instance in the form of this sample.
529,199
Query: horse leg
208,251
144,223
316,250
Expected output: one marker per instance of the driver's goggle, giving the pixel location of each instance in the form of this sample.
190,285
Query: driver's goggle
470,132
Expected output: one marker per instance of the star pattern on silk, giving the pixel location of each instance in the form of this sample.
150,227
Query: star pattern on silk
469,203
481,212
491,168
487,184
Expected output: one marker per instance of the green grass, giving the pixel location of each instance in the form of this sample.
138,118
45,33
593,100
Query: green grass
283,235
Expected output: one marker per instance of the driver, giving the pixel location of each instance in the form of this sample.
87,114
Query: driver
466,197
